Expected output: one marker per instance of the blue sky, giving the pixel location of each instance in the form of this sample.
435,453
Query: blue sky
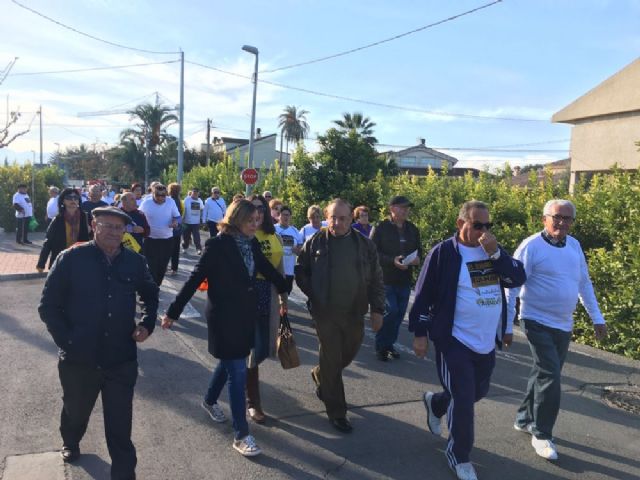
516,59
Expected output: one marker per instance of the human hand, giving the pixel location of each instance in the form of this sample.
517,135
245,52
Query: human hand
167,322
284,304
376,321
488,243
397,262
600,331
173,224
420,345
507,339
140,334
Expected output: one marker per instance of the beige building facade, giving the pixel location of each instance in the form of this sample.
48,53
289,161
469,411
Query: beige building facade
606,124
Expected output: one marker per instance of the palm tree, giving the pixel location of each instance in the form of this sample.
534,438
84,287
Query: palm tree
362,125
293,126
150,131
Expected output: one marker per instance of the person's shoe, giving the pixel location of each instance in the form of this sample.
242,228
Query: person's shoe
28,242
544,448
247,446
341,424
69,455
215,412
171,273
382,355
433,422
523,428
198,252
465,471
257,415
19,243
393,353
183,250
317,382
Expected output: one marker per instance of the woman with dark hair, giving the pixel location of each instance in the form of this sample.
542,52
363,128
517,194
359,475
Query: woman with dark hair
230,264
174,192
268,314
67,227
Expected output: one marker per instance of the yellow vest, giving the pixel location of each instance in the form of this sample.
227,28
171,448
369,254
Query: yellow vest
271,247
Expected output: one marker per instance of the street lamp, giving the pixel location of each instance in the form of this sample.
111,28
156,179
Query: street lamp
253,50
33,181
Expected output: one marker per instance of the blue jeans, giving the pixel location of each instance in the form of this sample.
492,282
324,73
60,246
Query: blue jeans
395,306
234,370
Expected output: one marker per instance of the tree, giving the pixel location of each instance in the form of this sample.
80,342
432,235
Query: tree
293,126
358,123
5,136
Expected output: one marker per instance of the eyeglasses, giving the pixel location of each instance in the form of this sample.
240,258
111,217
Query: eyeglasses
216,193
73,198
160,195
480,225
112,227
561,218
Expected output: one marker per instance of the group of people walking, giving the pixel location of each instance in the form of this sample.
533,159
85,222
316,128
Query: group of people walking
464,303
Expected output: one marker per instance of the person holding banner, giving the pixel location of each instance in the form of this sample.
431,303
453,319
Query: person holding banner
138,229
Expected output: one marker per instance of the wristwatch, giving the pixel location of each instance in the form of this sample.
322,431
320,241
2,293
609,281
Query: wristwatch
495,255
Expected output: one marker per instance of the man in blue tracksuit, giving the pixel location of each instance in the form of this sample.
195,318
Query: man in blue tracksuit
460,304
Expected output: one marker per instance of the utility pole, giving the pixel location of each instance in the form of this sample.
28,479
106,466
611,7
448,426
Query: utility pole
146,159
40,113
208,141
181,134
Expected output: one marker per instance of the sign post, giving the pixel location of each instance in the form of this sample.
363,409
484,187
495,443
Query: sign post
249,176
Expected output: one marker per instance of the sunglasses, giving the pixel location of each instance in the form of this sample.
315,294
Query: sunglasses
480,225
561,218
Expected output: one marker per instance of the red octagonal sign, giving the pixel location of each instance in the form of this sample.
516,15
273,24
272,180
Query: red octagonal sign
249,176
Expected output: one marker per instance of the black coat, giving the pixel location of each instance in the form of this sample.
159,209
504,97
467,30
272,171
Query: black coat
56,239
232,308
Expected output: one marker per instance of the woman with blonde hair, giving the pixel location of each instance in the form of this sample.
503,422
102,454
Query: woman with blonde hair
230,263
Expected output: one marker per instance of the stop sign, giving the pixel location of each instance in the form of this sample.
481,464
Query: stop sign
249,176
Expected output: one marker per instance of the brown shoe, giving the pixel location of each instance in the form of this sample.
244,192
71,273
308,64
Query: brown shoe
254,407
257,415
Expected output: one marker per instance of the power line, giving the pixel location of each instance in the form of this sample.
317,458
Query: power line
490,148
91,69
380,42
372,103
88,35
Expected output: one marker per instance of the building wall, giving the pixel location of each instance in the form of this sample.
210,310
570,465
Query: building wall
596,144
418,160
264,153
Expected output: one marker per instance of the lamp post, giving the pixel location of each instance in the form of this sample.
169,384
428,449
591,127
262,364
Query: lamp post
33,180
254,51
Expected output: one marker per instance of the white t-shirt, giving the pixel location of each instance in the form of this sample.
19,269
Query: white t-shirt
214,210
52,207
193,211
290,238
159,216
309,230
556,278
478,301
24,201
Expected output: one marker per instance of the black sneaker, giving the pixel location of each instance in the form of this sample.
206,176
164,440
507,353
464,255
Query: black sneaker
392,352
69,454
382,355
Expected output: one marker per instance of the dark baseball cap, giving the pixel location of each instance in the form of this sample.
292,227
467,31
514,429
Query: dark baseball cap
113,211
400,200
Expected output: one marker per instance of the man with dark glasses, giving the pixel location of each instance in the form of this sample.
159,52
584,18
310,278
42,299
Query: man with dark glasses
557,276
460,304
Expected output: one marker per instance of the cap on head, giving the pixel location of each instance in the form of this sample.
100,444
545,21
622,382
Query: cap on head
113,211
401,201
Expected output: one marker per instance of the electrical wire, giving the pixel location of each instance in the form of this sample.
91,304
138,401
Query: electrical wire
114,44
380,42
372,103
91,69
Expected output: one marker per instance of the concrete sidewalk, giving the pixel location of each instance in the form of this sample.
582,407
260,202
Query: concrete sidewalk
19,261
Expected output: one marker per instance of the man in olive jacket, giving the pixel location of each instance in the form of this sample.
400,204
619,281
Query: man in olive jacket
338,270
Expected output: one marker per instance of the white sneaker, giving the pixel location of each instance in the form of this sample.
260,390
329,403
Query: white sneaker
544,448
465,471
524,429
247,446
215,412
433,422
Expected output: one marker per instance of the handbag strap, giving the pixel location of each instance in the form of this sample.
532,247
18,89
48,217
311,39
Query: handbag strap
284,322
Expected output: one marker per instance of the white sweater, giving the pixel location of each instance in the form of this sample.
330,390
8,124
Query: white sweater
556,278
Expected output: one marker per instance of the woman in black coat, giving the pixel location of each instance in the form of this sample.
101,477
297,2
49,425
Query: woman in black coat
66,228
230,263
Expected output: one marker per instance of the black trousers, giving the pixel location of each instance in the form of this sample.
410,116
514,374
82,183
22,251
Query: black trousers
22,229
175,253
158,252
213,228
81,385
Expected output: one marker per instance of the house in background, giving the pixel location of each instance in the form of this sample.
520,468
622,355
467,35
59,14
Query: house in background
559,172
264,150
417,160
606,124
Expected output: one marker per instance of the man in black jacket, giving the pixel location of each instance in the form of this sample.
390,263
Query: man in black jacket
338,271
93,325
399,249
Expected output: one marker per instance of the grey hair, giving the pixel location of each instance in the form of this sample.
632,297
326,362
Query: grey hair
338,201
560,202
466,208
54,189
314,209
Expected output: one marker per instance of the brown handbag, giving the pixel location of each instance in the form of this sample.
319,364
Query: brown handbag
286,345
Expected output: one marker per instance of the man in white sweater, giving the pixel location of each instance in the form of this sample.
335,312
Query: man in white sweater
557,276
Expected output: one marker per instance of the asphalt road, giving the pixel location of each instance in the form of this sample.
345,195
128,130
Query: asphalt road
176,439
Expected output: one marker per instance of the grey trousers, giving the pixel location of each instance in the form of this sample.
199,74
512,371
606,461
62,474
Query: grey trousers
541,403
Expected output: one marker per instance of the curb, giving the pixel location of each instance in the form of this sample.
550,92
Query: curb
22,276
